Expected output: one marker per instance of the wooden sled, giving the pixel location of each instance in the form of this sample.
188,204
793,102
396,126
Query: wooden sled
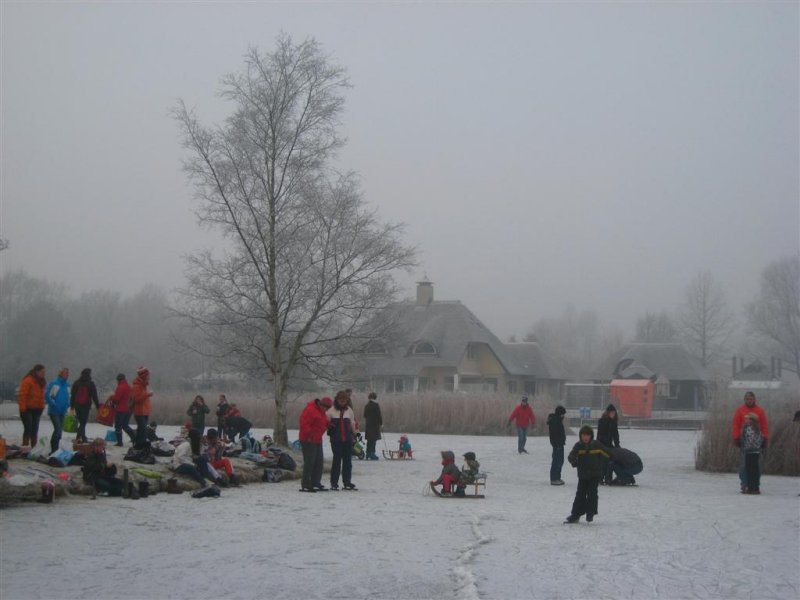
467,494
396,455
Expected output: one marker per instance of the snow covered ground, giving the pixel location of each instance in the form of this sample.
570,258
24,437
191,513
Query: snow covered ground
680,534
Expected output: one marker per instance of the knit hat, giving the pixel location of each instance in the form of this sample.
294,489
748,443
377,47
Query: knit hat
611,407
212,433
560,410
525,399
121,377
142,371
448,455
587,429
469,455
326,402
752,416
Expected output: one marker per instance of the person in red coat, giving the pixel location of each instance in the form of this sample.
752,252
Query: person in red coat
313,425
121,399
749,406
140,397
523,417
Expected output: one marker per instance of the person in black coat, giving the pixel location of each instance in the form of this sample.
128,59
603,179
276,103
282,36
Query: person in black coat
625,464
608,434
373,421
558,438
590,457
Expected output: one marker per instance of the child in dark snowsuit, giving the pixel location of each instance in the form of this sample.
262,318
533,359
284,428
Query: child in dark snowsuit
589,457
469,471
450,473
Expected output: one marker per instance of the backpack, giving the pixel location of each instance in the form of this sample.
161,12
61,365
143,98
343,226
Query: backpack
249,444
286,462
272,475
142,455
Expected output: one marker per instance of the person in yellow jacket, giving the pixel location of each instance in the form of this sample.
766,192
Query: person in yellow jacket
31,403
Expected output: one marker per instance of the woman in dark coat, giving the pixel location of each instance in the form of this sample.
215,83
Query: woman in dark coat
608,435
198,411
373,423
82,396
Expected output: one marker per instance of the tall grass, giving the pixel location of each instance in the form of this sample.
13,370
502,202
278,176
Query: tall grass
716,452
465,414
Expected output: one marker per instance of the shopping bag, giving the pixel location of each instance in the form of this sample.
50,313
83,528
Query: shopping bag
111,436
70,423
105,414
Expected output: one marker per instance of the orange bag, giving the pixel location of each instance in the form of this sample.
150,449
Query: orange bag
106,414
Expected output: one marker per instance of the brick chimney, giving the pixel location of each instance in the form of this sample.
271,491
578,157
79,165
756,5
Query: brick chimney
424,292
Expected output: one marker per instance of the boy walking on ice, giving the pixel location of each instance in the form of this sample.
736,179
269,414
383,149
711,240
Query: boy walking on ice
589,457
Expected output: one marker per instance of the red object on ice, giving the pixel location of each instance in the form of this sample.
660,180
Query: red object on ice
63,476
633,397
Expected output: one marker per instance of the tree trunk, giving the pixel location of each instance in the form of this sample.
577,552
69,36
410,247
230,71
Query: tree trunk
279,434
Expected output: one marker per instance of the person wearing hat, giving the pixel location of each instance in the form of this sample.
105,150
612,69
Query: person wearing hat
589,457
342,430
558,438
140,396
608,435
57,397
469,471
121,399
313,425
749,406
523,416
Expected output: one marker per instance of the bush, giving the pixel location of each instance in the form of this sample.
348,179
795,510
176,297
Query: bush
716,452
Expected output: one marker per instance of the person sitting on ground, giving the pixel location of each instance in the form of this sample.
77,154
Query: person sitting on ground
405,447
189,459
98,473
449,475
213,452
469,472
625,464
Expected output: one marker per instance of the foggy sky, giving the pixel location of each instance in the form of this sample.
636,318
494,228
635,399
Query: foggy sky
598,154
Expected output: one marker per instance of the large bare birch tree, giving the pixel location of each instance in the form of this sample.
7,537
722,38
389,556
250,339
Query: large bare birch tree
706,323
309,265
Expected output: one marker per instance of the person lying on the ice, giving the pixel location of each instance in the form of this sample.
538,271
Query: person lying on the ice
450,473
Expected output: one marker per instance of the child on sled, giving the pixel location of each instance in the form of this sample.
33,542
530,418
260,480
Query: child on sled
450,474
405,447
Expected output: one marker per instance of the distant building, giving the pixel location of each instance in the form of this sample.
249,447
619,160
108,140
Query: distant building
757,375
680,381
443,346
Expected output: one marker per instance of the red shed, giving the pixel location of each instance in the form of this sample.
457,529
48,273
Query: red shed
633,397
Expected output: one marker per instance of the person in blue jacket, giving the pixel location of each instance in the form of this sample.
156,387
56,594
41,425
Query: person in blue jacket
57,397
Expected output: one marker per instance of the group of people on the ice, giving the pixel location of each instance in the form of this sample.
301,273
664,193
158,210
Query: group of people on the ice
452,476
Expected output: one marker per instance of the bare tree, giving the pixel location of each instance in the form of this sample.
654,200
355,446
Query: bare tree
310,266
652,327
775,314
4,244
705,321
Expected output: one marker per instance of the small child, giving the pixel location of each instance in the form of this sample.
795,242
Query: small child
752,441
450,473
589,457
405,447
469,471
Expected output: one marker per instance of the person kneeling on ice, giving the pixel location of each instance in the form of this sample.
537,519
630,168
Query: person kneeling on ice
469,472
589,457
98,473
405,447
450,473
625,464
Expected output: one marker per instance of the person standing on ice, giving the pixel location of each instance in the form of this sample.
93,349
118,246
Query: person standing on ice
313,425
57,398
373,421
749,406
589,457
523,416
82,395
140,396
197,412
342,431
121,399
221,411
608,435
558,438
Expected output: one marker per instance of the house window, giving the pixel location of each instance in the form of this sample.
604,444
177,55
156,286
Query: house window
424,348
512,387
394,385
472,351
530,388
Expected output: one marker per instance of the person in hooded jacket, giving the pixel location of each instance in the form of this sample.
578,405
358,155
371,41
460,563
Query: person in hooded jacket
140,396
82,396
198,411
625,464
450,474
588,456
57,397
558,438
342,431
608,435
121,399
313,425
